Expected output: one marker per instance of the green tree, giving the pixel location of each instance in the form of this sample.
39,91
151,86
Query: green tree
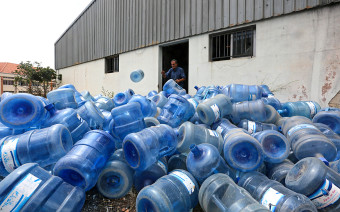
35,77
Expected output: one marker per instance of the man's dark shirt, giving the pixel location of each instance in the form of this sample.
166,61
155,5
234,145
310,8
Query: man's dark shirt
177,73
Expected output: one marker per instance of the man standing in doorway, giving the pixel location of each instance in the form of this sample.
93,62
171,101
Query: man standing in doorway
176,73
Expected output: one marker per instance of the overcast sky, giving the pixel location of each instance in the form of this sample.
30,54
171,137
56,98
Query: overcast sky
29,28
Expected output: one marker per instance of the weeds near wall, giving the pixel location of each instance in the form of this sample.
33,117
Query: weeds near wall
107,93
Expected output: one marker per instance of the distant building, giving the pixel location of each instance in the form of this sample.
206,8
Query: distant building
7,78
293,46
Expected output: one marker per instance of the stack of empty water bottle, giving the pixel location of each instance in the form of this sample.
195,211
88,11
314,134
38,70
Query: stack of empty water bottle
231,148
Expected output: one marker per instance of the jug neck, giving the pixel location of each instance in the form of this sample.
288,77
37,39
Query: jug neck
196,151
51,109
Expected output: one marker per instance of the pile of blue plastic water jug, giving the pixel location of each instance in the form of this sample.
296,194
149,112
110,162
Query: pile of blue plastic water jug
228,148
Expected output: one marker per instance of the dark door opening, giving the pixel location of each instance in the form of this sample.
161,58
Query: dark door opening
180,52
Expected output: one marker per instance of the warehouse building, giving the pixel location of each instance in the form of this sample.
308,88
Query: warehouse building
293,46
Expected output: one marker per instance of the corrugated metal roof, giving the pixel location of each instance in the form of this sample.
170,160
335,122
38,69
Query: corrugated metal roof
108,27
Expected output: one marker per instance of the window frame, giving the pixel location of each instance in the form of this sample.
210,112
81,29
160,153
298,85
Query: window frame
231,34
108,62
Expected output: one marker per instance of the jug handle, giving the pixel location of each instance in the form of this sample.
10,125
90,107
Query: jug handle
165,151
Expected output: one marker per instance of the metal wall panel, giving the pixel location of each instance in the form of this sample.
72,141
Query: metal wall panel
108,27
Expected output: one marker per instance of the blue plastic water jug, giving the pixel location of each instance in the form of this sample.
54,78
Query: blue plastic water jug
123,98
255,126
251,110
176,111
306,140
332,136
214,109
92,115
150,175
189,133
275,146
42,146
171,87
151,94
274,195
22,111
105,103
137,75
31,188
199,93
82,165
62,98
242,151
160,100
210,92
223,126
78,96
127,119
272,101
240,93
301,108
279,171
144,148
177,161
266,91
219,193
70,119
87,96
311,177
177,191
329,118
116,179
205,160
148,107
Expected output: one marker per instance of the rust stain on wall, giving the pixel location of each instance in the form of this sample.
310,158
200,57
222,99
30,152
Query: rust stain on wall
330,75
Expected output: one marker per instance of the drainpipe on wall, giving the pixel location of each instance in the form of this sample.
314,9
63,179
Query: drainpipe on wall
2,84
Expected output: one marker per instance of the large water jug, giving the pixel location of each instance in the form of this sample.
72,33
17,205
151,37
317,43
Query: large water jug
144,148
160,100
127,119
148,107
150,175
177,191
214,109
239,93
137,75
274,195
31,188
177,161
199,93
92,115
70,119
275,146
210,92
176,111
306,140
78,96
311,177
242,151
255,126
62,98
301,108
331,135
279,171
105,103
189,133
251,110
266,92
116,179
223,126
151,94
43,146
22,111
329,118
82,165
6,131
272,101
171,87
220,193
205,160
123,97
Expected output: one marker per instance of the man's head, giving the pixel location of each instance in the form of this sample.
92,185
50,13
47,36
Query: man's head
174,63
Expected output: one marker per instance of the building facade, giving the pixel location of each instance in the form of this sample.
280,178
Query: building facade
293,46
7,79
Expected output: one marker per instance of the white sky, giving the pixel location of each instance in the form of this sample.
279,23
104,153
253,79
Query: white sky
29,28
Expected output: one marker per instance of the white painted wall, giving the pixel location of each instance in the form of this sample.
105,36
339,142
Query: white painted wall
297,56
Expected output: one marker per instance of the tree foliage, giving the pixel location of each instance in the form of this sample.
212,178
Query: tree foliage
35,77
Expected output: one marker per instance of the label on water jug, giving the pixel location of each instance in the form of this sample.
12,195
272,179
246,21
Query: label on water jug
300,127
251,127
252,97
20,194
163,166
213,133
9,155
187,182
326,195
216,111
271,198
270,96
193,102
219,129
312,108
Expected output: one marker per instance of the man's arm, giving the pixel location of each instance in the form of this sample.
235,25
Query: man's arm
183,77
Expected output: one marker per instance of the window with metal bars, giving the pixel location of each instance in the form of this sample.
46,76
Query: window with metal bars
237,43
112,64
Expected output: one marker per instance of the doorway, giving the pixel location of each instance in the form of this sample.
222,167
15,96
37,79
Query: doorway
180,52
